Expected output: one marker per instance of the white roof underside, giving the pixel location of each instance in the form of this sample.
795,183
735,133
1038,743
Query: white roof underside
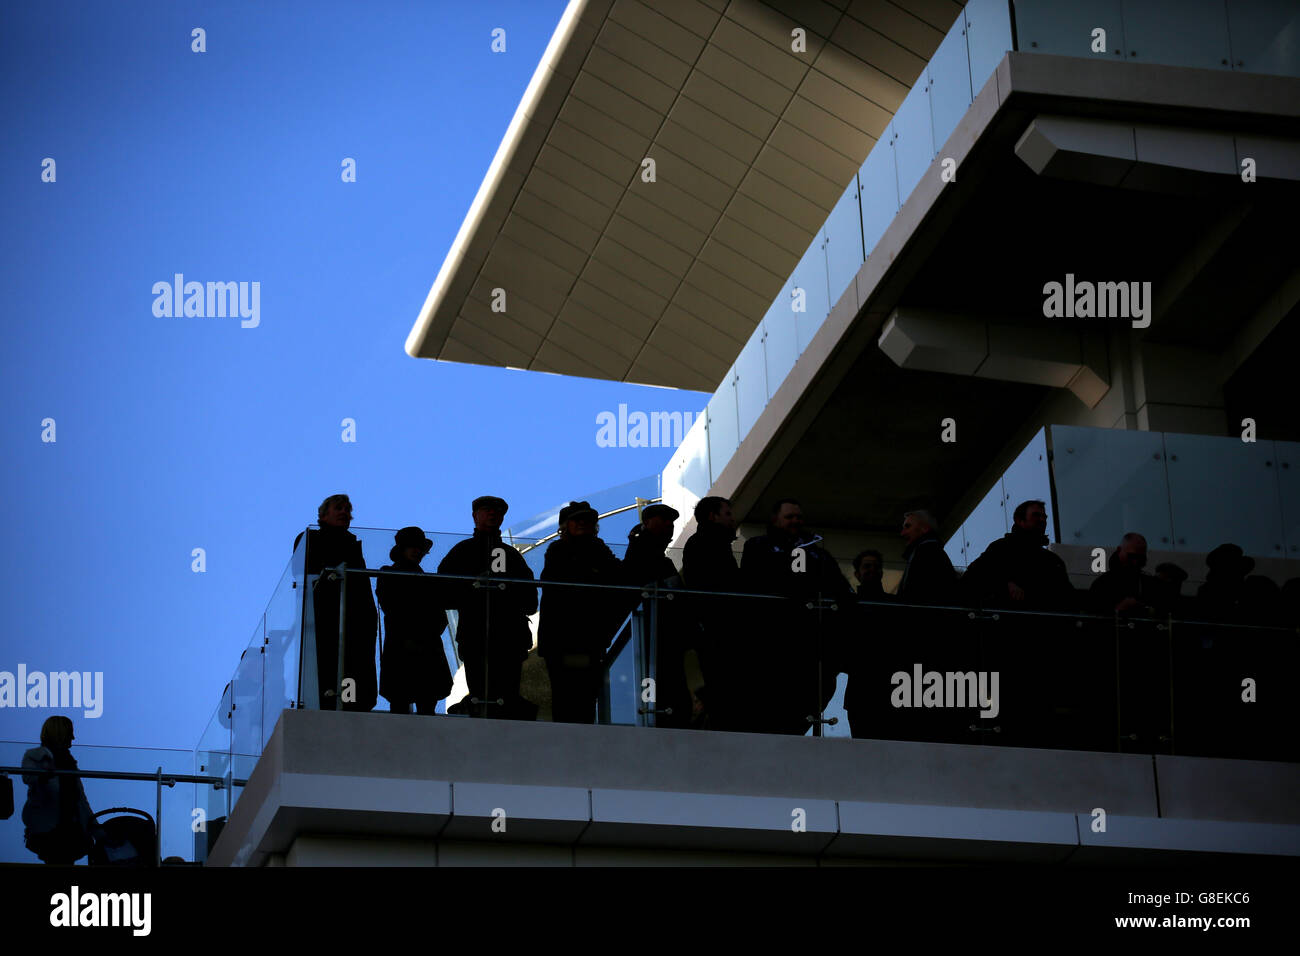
608,276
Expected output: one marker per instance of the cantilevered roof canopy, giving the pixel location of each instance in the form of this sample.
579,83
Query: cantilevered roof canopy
607,275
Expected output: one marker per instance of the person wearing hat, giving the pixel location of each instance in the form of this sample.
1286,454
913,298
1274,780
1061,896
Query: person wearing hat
328,547
492,632
1220,597
577,624
644,563
413,665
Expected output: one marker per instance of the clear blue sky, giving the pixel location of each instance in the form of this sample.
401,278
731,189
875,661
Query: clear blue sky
177,433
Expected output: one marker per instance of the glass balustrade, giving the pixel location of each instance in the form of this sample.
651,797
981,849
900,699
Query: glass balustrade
184,816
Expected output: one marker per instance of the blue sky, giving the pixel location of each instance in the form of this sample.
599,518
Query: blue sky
177,433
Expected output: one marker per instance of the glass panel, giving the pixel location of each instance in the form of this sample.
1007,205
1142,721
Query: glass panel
843,237
621,700
955,548
1203,469
280,662
988,38
949,77
1049,26
986,523
104,795
1200,40
1028,479
1109,481
686,479
246,737
1209,716
1265,36
879,182
781,346
751,382
724,436
913,137
1288,480
809,276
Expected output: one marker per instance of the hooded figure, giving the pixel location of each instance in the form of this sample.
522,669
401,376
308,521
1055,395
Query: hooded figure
414,665
328,547
57,817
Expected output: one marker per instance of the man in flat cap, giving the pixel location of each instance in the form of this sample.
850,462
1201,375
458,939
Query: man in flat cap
492,634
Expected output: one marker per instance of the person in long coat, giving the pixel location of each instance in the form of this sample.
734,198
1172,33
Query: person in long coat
646,562
492,632
59,825
709,564
577,625
798,649
413,665
329,547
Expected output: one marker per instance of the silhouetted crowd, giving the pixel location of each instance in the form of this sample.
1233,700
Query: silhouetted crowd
727,659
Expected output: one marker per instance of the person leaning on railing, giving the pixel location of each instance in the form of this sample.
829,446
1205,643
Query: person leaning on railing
59,825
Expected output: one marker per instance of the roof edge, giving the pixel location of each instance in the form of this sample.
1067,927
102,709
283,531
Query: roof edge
417,340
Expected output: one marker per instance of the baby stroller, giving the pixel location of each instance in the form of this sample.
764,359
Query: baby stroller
124,840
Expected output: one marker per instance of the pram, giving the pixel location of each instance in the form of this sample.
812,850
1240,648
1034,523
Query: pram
124,840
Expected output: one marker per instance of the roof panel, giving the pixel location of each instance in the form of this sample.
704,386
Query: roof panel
637,50
607,275
658,29
748,81
786,169
611,101
904,28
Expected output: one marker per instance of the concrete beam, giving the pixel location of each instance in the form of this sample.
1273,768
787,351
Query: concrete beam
1037,355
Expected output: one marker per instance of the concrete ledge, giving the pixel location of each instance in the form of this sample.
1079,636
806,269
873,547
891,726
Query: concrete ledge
353,781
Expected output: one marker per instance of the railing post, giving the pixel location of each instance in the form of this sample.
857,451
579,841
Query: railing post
157,821
343,628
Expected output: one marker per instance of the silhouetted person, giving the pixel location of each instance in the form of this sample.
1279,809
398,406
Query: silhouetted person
1017,571
492,632
929,577
578,624
1124,588
709,564
329,547
1171,576
1261,601
59,825
1220,597
869,569
645,562
413,664
799,643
